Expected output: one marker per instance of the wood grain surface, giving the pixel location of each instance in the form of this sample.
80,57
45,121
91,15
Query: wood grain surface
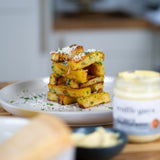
145,151
100,23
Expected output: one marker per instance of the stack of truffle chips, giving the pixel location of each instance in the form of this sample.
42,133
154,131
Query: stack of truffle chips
78,77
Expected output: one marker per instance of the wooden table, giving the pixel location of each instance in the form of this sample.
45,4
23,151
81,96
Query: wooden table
148,151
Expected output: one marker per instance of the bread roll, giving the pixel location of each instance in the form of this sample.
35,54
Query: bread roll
43,138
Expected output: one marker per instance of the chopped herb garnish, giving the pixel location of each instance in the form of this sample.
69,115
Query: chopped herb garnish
68,81
97,54
52,67
42,109
64,92
57,59
27,98
50,104
25,101
40,96
99,63
65,63
90,57
110,108
91,102
35,97
86,52
57,75
83,63
87,92
11,101
62,69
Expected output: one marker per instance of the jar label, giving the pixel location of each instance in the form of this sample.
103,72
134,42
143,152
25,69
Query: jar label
137,117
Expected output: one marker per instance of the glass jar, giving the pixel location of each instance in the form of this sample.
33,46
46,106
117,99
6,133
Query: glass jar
136,105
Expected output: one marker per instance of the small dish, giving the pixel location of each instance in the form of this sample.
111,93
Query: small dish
83,153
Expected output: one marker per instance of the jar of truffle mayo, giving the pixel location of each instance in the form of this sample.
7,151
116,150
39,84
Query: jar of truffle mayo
136,105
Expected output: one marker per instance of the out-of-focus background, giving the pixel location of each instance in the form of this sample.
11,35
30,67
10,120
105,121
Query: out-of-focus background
128,31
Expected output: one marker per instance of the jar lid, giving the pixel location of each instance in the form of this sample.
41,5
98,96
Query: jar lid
138,82
139,76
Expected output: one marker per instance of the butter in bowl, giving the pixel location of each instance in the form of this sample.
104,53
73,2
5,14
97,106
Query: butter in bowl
98,143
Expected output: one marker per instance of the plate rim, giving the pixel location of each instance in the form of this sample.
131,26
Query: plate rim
4,103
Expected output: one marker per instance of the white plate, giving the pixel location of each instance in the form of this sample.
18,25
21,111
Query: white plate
29,98
9,125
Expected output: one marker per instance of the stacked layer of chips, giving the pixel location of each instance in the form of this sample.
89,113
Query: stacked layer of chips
78,76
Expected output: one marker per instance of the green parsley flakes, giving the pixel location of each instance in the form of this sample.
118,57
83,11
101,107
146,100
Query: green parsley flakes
91,102
68,82
99,63
50,104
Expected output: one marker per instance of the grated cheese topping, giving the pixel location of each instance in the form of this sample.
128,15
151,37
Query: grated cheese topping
79,56
66,50
91,50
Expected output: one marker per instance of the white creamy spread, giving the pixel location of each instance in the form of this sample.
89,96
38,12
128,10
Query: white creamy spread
98,139
138,75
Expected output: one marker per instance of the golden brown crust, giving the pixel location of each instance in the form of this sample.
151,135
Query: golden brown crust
66,90
54,80
93,100
60,69
52,96
97,87
96,69
65,100
91,81
87,60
